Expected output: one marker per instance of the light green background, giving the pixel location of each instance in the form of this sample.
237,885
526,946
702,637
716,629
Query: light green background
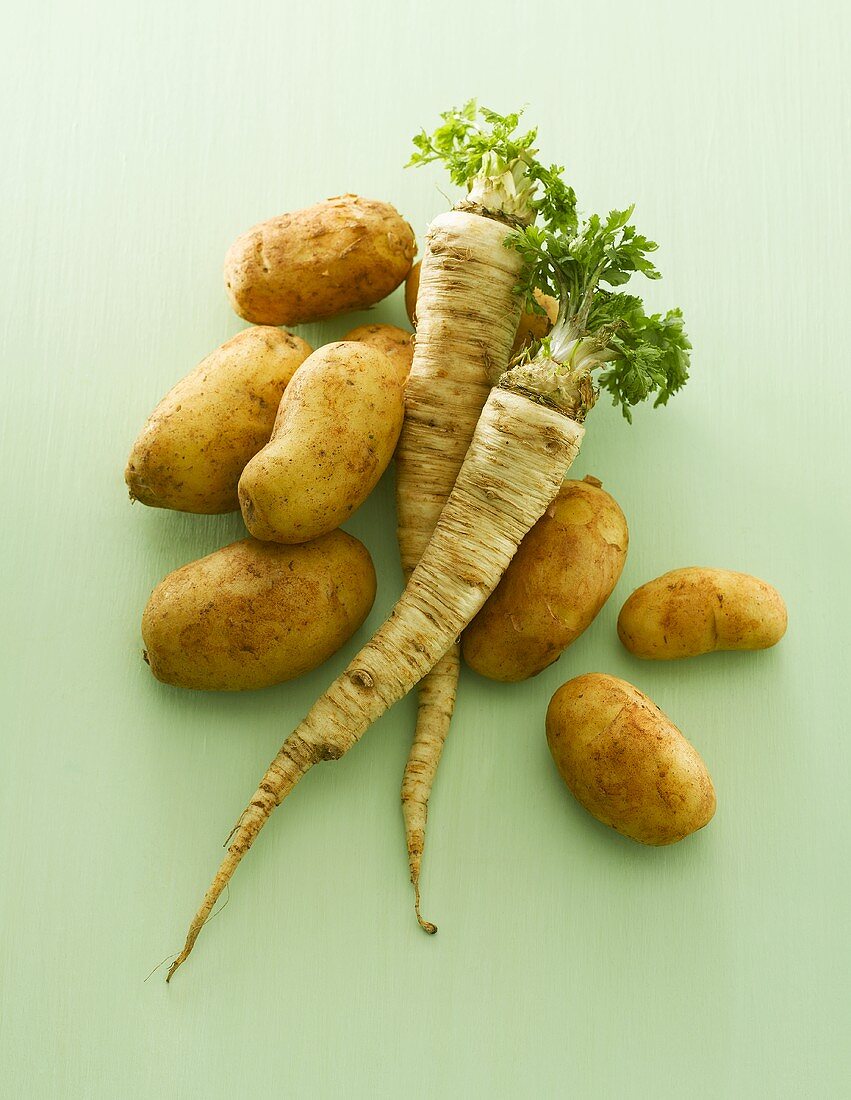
138,140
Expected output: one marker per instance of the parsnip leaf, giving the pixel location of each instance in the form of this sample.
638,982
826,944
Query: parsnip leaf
643,354
652,358
485,154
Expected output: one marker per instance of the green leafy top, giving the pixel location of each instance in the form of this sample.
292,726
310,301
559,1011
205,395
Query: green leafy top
484,154
596,325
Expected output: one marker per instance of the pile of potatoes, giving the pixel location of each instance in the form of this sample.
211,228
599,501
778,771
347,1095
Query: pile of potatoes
297,439
294,438
622,758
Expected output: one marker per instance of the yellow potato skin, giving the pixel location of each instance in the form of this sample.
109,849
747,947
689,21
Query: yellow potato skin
559,579
335,434
691,611
535,326
412,289
256,613
396,343
626,762
342,254
196,442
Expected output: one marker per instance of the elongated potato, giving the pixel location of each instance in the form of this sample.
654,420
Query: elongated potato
255,613
626,762
335,433
556,584
691,611
196,442
396,343
532,327
342,254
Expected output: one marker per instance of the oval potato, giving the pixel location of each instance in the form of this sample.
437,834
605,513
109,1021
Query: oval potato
626,762
196,442
691,611
396,343
255,613
342,254
335,434
556,584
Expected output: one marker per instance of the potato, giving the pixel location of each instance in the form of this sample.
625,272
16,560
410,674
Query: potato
255,613
691,611
396,343
191,451
412,289
335,433
562,574
626,762
535,326
342,254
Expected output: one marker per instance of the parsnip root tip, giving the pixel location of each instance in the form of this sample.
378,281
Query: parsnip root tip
205,913
184,954
426,925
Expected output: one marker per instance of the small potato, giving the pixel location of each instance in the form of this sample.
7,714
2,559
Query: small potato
692,611
254,613
535,326
557,582
412,289
396,343
196,442
626,762
342,254
335,434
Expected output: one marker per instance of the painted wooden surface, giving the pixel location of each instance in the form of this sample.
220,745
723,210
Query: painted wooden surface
138,140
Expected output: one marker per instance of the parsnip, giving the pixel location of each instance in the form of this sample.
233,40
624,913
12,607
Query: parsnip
467,309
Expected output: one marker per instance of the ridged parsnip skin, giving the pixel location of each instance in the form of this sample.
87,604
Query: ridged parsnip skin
554,588
341,254
256,613
396,343
626,762
514,467
531,327
196,442
468,310
335,434
468,316
697,610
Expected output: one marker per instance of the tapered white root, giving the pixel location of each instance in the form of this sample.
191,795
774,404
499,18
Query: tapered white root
434,714
294,759
467,310
513,470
